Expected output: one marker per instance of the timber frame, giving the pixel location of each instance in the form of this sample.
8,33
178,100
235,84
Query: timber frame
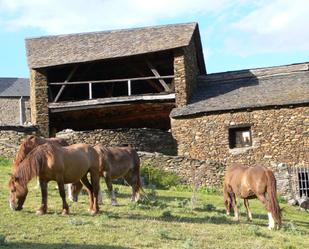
133,82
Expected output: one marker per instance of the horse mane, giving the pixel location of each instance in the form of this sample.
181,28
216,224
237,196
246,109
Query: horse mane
33,164
29,144
26,146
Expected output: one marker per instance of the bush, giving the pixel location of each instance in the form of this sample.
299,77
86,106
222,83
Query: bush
160,178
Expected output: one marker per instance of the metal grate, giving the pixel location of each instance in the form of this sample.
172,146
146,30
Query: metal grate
303,182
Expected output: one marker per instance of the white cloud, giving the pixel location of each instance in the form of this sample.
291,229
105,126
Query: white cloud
273,26
66,16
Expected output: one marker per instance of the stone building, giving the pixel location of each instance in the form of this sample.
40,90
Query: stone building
114,79
149,87
257,116
14,101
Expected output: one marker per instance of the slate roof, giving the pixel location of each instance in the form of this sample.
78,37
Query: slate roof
14,87
256,88
75,48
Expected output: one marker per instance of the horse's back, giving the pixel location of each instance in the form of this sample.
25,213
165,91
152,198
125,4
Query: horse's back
117,160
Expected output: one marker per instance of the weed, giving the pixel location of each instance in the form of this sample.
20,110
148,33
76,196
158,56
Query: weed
164,234
166,214
77,222
188,244
160,178
3,240
209,207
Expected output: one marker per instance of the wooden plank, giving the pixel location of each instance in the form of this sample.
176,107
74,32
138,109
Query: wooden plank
90,90
64,85
156,73
129,87
111,81
58,107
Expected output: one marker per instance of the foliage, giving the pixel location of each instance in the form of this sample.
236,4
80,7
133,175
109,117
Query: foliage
159,178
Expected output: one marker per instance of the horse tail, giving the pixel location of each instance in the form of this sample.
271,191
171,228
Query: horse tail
136,171
226,196
273,204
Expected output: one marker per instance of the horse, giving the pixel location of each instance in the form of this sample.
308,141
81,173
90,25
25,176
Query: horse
33,141
249,183
61,164
115,163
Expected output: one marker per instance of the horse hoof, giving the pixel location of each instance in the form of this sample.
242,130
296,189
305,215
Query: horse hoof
65,212
93,212
235,219
40,212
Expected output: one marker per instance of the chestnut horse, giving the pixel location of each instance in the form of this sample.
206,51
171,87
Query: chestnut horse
115,163
249,183
61,164
33,141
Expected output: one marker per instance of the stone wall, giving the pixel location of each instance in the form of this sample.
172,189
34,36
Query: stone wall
278,135
150,140
191,171
39,101
10,111
186,71
10,139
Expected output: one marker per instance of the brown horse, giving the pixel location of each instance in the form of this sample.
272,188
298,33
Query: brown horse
33,141
61,164
115,163
249,183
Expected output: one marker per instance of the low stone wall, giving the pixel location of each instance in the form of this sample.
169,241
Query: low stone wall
10,110
191,171
11,137
150,140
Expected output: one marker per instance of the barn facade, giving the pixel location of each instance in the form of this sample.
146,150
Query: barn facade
113,79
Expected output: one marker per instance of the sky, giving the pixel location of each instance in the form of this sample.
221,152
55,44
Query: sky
236,34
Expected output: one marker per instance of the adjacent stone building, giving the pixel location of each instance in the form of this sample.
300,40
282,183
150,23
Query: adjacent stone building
14,101
114,79
258,116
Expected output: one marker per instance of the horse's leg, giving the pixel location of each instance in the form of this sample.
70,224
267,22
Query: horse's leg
132,179
234,205
65,206
246,202
43,208
95,181
89,188
271,221
110,189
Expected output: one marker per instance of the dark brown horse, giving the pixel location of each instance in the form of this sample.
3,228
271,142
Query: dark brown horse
61,164
115,163
249,183
33,141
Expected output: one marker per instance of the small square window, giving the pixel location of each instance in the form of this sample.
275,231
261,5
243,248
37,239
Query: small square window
240,137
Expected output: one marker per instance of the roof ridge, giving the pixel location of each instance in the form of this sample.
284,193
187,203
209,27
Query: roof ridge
112,30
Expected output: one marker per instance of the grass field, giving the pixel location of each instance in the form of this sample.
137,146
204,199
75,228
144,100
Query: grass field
165,222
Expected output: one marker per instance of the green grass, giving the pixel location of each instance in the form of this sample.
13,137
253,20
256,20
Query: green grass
164,221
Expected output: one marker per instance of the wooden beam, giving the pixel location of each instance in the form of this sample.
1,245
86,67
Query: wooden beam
66,81
111,81
129,87
65,106
156,73
90,90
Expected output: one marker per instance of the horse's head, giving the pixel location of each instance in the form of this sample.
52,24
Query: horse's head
18,193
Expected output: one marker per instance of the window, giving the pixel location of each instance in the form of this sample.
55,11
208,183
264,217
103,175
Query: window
303,182
240,136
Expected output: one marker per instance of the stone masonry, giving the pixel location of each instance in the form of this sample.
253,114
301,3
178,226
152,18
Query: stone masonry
186,72
10,111
150,140
278,136
39,101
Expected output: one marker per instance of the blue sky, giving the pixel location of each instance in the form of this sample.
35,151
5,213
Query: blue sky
235,34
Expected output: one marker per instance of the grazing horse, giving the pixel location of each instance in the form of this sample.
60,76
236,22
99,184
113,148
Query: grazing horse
115,163
61,164
33,141
249,183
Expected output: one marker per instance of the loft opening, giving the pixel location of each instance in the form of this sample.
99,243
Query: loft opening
134,75
240,136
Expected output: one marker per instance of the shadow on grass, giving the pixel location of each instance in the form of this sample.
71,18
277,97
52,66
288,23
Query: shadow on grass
26,245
